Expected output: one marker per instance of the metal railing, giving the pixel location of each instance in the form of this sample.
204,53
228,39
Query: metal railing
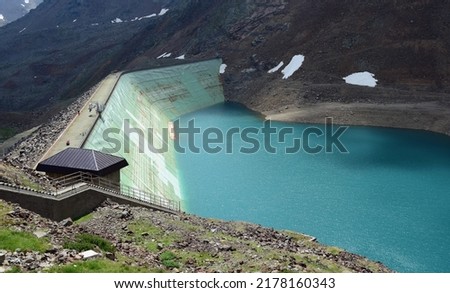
72,180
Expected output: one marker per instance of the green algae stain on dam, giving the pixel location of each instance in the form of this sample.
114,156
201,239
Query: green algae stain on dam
142,108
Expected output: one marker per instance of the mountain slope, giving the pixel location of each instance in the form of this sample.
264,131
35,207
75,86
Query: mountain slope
130,239
63,47
13,9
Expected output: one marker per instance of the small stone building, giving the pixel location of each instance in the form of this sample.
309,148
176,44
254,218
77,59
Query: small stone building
73,160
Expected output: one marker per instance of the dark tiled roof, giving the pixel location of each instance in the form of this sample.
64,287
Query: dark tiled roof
73,160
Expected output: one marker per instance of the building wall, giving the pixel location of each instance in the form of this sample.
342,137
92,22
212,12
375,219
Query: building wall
74,206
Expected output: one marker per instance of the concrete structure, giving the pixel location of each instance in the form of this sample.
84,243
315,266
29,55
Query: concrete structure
77,200
82,124
138,110
137,122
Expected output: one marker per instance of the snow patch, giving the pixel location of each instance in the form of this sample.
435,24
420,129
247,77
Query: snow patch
2,17
293,66
182,57
165,55
94,24
27,1
362,78
75,20
117,20
276,68
222,69
22,30
163,11
146,16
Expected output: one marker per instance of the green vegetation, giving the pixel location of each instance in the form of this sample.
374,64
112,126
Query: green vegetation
14,269
316,264
6,132
169,259
98,266
28,183
12,240
16,176
333,250
261,258
183,244
156,236
85,242
4,209
198,258
85,218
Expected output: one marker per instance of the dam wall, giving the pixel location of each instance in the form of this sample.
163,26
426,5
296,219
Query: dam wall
137,121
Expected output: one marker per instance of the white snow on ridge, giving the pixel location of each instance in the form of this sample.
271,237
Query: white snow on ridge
75,20
2,17
276,68
163,11
182,57
27,1
22,30
222,69
362,78
165,55
117,20
146,16
293,66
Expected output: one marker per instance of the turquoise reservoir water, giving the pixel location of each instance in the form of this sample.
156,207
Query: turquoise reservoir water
388,199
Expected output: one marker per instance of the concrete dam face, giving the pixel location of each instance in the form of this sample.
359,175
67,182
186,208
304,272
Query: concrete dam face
137,121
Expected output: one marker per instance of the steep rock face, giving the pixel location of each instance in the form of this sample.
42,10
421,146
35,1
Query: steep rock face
63,47
13,9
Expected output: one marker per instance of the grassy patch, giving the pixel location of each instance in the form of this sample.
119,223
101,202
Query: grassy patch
333,250
97,266
4,209
30,184
85,218
155,236
12,240
85,242
14,175
200,258
14,269
184,225
315,264
169,259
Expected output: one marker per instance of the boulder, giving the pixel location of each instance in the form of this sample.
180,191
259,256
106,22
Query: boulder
89,254
2,256
66,222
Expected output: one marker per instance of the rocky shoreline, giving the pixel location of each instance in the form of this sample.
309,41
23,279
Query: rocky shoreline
141,237
428,116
